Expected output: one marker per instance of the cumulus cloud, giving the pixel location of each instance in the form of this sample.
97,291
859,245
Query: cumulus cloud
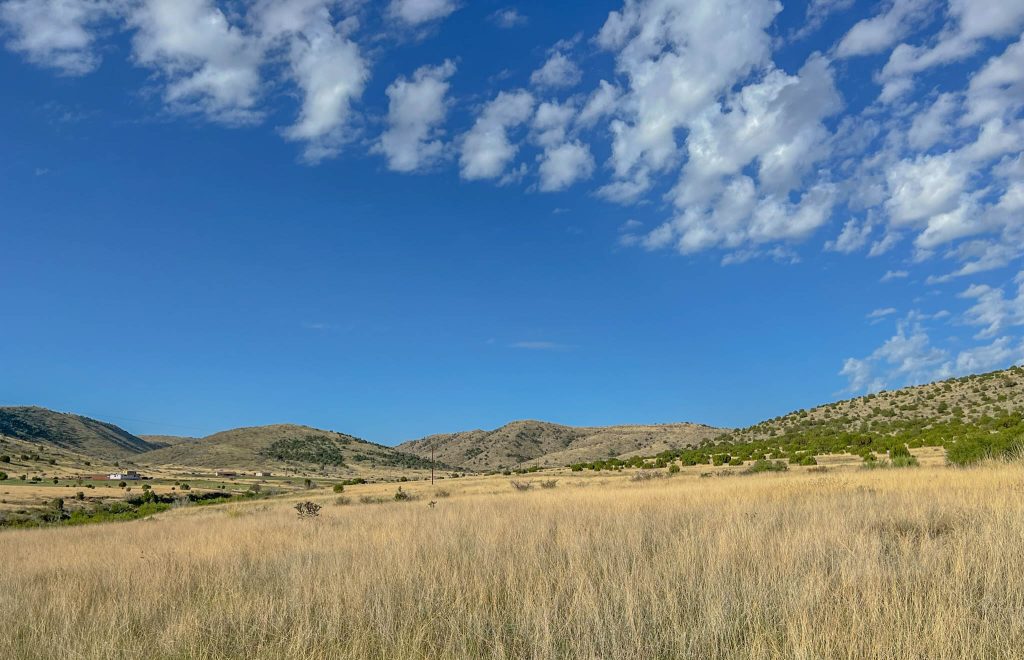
993,310
56,33
486,148
508,18
417,12
854,236
884,30
209,65
678,56
969,24
775,124
557,71
416,109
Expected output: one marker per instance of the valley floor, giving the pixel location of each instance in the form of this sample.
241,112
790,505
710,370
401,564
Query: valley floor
899,563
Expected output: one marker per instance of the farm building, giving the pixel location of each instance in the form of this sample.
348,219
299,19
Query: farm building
261,473
128,475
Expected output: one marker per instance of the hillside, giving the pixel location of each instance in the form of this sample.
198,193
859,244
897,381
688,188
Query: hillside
529,442
74,433
159,441
282,446
971,418
968,399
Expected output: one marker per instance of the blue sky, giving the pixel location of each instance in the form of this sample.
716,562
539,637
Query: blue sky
416,216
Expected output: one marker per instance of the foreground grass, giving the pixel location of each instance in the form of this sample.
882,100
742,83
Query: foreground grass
921,563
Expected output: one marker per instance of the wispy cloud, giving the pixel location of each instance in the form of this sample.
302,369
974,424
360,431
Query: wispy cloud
541,346
894,275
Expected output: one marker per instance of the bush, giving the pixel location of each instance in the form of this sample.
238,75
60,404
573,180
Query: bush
808,460
3,476
521,485
549,483
5,459
342,501
79,495
899,451
308,509
339,488
673,469
186,487
442,493
904,461
763,465
402,496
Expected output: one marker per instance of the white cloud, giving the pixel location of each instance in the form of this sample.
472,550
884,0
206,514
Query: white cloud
924,187
508,18
324,63
818,11
906,358
56,33
993,310
854,236
416,12
970,23
882,312
891,275
209,65
679,56
997,89
775,123
557,71
881,32
602,102
935,124
416,108
565,164
486,147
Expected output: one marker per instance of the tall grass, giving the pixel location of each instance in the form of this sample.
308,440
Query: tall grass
884,564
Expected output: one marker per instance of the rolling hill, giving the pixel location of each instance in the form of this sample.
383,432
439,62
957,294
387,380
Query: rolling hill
968,400
283,446
82,435
528,442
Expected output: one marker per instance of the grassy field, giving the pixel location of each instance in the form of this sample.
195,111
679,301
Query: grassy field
850,563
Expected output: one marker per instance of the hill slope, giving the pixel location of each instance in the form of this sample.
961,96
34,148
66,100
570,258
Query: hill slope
282,446
74,433
969,400
529,442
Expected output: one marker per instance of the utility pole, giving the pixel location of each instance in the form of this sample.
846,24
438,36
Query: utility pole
431,466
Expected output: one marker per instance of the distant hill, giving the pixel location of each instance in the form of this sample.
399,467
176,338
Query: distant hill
968,399
282,446
75,433
159,441
529,442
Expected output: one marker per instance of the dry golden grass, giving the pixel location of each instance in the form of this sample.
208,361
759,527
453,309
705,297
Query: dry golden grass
913,563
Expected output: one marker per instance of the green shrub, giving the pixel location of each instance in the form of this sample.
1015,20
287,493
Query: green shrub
767,466
339,488
5,459
3,476
402,496
673,469
186,487
899,451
